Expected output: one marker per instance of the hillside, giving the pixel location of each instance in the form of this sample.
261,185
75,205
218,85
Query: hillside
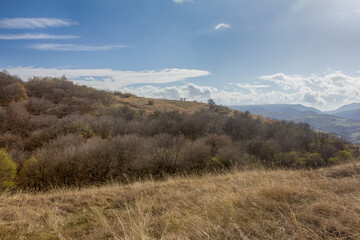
343,122
347,128
161,104
256,204
54,133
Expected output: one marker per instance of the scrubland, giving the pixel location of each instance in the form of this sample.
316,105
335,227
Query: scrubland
80,163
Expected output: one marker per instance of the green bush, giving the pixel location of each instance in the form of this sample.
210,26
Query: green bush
7,171
340,156
287,159
312,160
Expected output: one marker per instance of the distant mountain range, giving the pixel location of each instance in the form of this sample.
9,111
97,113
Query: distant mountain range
344,121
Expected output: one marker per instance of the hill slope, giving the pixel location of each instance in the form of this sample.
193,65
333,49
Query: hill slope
343,123
322,204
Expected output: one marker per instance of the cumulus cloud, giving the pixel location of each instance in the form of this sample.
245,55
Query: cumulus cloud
72,47
221,26
326,92
109,78
30,36
30,23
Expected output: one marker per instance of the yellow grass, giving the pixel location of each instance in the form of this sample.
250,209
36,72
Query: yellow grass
258,204
162,104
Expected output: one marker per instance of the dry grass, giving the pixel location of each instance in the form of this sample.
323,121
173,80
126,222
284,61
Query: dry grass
259,204
162,104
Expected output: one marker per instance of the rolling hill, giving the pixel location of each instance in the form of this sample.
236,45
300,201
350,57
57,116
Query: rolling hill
345,121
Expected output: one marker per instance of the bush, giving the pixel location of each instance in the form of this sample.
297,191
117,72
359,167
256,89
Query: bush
312,160
30,175
340,156
7,171
287,159
13,92
195,155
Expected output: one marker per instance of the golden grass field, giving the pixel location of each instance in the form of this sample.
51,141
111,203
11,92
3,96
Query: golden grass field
165,105
254,204
161,104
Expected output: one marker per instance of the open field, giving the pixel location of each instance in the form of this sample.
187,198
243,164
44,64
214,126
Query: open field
256,204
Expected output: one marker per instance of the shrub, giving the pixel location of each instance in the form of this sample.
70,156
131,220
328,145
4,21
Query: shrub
7,171
287,159
340,156
13,92
31,174
312,160
195,155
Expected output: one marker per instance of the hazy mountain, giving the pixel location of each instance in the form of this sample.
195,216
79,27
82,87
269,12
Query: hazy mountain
344,121
350,114
349,107
279,111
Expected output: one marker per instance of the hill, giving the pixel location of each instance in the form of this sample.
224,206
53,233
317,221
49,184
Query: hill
342,122
256,204
54,133
349,107
278,111
349,114
347,128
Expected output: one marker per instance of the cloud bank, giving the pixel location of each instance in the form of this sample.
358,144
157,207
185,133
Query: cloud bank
326,92
30,23
108,78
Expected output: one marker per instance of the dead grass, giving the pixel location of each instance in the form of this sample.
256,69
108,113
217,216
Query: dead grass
164,105
240,205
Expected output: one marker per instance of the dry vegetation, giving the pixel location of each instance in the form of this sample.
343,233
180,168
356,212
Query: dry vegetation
256,204
162,105
56,136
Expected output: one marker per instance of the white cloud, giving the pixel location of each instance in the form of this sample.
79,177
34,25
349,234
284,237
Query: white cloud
221,26
108,78
323,91
326,92
29,36
72,47
181,1
30,23
251,86
285,81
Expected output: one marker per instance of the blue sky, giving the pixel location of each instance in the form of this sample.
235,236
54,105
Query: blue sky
235,51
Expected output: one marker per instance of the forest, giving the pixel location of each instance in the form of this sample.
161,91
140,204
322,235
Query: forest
55,133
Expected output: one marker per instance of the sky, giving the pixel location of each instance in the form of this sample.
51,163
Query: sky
236,52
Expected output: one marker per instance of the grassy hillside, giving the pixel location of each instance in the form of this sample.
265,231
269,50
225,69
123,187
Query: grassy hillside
347,128
257,204
161,104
